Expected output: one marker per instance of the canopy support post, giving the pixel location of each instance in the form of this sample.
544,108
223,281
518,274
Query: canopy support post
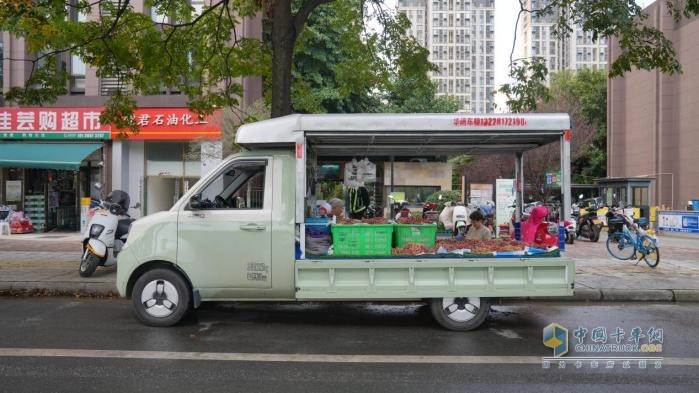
565,176
519,183
392,173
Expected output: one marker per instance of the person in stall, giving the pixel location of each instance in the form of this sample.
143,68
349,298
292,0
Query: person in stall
337,208
478,231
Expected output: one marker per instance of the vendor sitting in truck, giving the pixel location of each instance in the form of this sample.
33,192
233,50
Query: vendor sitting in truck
337,208
477,231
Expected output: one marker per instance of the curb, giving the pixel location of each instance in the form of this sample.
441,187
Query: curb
628,295
108,289
96,289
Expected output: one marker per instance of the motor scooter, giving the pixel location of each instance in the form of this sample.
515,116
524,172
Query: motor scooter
460,219
572,225
429,212
589,225
106,233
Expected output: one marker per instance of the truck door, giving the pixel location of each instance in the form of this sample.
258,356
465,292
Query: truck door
224,232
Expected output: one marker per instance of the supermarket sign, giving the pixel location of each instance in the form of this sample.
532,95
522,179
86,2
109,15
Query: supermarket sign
84,123
678,221
52,123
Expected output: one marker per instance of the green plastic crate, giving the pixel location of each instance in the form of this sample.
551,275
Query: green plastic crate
424,234
361,240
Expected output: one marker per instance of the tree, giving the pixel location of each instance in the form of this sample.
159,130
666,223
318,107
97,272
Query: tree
583,95
203,54
336,66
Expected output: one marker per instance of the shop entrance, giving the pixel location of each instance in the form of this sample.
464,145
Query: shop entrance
50,197
171,168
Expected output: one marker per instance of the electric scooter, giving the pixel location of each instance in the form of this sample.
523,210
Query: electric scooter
106,233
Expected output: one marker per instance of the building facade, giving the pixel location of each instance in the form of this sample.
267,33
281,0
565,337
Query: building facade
155,166
652,118
574,52
460,37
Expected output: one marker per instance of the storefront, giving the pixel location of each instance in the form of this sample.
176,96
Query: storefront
49,159
172,150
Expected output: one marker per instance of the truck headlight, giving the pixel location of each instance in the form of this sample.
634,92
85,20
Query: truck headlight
96,230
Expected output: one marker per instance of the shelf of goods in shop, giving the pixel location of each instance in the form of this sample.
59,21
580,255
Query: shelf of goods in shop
34,209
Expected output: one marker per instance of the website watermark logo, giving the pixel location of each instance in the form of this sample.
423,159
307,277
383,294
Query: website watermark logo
604,348
556,337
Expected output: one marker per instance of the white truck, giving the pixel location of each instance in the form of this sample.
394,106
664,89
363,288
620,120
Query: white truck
227,241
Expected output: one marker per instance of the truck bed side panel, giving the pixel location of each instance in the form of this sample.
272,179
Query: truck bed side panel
354,279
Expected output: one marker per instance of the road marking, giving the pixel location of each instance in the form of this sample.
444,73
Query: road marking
294,358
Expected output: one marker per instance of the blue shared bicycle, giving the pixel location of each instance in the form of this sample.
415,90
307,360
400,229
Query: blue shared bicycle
632,242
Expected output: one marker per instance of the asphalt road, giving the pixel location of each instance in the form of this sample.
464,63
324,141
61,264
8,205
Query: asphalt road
63,344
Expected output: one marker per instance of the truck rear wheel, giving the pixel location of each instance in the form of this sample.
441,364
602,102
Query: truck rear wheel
461,313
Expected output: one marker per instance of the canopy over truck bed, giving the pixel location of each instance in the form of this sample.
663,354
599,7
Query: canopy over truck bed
411,135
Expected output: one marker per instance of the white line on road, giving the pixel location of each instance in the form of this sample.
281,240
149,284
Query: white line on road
298,357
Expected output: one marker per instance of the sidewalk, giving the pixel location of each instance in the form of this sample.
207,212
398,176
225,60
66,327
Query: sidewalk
48,263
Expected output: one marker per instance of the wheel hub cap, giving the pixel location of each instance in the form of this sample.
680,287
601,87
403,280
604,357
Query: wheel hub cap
159,298
461,309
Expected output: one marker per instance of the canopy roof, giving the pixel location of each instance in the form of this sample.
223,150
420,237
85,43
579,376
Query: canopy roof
408,134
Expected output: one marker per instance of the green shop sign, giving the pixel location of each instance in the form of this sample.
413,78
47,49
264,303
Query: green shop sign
553,179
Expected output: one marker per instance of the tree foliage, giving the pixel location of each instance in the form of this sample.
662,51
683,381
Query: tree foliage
583,95
204,55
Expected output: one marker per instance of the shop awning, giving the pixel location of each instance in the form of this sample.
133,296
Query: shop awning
45,155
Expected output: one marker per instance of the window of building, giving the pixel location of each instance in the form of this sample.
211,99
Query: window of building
77,75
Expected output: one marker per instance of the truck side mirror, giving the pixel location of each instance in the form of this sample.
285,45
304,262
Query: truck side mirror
195,201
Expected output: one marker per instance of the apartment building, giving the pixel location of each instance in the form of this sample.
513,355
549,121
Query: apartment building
460,37
50,157
574,52
652,117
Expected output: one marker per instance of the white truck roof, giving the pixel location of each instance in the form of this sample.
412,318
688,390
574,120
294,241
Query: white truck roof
431,133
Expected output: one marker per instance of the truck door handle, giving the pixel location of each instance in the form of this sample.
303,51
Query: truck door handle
197,214
252,227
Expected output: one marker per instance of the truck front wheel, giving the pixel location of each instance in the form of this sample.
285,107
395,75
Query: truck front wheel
461,313
161,297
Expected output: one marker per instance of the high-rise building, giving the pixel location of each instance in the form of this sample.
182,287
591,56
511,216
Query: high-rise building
576,51
460,37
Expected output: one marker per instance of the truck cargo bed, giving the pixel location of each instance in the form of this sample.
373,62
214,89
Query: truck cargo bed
350,279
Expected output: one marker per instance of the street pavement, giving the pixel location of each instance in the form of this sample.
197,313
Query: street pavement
48,263
68,345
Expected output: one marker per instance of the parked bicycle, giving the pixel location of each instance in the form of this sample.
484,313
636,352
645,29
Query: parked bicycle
630,240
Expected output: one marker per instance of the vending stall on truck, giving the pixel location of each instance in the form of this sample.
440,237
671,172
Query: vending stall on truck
240,233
